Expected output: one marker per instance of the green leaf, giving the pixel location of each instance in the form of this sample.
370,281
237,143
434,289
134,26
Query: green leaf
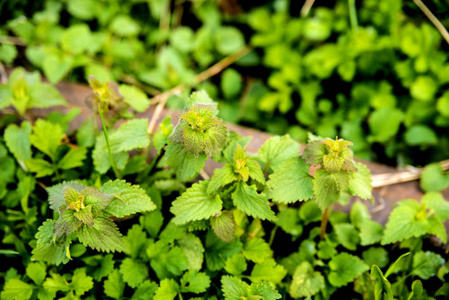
376,256
371,232
46,249
327,187
314,152
257,250
145,290
347,235
194,282
288,220
424,88
224,226
56,283
231,83
228,40
56,67
407,220
433,178
263,290
210,141
135,97
46,137
255,171
309,212
250,202
185,164
67,223
56,194
76,38
306,282
114,285
195,204
130,135
426,264
39,166
133,272
268,270
193,249
73,159
291,182
81,283
218,251
101,158
37,272
392,267
105,268
7,53
360,182
359,214
102,236
417,290
234,288
382,287
384,124
18,141
437,204
236,264
124,25
420,135
277,150
345,268
168,290
135,240
129,199
96,199
221,178
44,95
85,215
165,262
16,289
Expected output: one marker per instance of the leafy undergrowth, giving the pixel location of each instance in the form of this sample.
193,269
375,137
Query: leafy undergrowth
84,218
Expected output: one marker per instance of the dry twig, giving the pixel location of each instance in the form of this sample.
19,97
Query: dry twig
443,31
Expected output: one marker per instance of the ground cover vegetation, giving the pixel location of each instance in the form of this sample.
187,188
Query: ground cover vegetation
122,209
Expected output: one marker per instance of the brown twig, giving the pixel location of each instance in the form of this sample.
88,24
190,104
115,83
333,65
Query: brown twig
3,74
131,80
380,180
161,99
204,174
443,31
12,40
306,8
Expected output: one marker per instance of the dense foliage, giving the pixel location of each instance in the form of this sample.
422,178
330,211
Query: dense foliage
89,215
374,72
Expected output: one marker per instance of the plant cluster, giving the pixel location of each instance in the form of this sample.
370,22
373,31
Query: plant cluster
371,71
169,235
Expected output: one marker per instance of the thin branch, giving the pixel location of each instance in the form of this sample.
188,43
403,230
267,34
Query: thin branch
306,8
3,74
204,174
443,31
12,40
161,99
131,80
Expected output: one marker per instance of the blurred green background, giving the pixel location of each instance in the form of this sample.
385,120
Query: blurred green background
375,72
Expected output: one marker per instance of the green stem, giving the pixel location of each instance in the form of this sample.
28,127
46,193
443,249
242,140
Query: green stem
324,220
353,15
273,233
111,158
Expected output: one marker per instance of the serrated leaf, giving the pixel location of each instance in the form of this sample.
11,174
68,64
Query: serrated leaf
306,282
360,182
46,249
67,222
167,262
56,283
345,268
74,158
102,236
133,272
277,150
46,137
371,232
291,182
438,204
403,222
114,285
195,204
433,178
218,251
268,270
85,215
222,177
18,141
56,194
234,288
37,272
129,199
359,214
210,141
81,283
426,264
288,220
224,226
314,152
105,268
347,235
39,166
193,249
332,163
145,290
194,282
264,290
96,199
327,187
134,97
130,135
255,171
185,164
167,290
16,289
247,199
100,156
135,240
236,264
257,250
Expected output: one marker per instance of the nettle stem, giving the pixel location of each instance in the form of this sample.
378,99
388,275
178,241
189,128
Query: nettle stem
324,220
111,158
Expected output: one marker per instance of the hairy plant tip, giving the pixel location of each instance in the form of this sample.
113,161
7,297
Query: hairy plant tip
332,155
106,94
200,131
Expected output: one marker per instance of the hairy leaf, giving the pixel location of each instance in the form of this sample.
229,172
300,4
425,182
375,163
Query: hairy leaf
102,236
253,204
185,164
53,252
130,135
277,150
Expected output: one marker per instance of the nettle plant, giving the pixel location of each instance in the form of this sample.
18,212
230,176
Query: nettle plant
171,231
